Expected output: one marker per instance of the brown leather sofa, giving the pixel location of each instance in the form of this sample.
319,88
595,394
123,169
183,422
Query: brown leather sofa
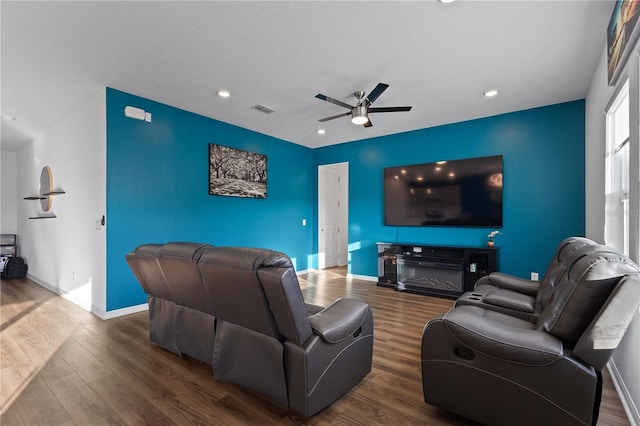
241,310
500,369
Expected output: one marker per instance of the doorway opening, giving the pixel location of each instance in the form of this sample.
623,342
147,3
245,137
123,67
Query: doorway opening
333,215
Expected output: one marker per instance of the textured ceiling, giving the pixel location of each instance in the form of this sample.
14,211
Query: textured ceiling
439,58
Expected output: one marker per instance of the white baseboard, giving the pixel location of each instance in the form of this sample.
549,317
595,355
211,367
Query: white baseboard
99,312
625,397
105,315
362,277
62,293
355,276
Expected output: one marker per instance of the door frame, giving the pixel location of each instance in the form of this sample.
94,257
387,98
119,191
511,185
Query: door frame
343,214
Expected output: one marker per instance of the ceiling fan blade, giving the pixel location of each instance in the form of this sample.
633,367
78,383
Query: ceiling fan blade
388,109
344,114
333,101
377,91
367,124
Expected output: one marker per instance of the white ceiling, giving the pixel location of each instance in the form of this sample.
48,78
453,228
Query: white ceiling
439,58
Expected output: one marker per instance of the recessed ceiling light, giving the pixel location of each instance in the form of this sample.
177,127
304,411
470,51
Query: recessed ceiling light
7,117
490,93
446,1
224,93
321,131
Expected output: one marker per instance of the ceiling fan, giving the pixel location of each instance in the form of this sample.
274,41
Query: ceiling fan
360,112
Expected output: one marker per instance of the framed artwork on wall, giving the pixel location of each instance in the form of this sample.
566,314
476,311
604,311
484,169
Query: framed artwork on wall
622,34
237,173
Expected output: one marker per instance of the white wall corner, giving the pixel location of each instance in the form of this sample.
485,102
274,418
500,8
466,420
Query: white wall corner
67,253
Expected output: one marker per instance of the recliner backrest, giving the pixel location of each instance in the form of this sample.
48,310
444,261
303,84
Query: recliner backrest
557,268
592,277
146,257
285,297
179,265
230,275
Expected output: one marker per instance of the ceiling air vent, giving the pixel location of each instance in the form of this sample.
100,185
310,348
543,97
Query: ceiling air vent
263,108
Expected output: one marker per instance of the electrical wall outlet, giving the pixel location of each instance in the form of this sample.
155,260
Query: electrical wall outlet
535,276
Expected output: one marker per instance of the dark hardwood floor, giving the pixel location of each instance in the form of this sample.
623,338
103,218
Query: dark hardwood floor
60,365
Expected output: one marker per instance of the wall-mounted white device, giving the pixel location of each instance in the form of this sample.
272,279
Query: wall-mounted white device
137,113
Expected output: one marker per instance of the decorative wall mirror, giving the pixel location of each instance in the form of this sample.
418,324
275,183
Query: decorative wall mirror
46,188
45,194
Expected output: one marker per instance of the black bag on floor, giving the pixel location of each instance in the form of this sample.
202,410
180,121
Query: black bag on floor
14,268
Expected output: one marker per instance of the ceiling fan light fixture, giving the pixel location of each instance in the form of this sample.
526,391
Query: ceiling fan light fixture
359,115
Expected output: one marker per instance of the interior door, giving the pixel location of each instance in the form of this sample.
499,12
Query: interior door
328,217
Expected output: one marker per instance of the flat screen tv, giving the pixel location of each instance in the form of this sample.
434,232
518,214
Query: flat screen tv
445,193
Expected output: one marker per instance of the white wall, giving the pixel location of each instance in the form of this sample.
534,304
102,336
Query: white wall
9,193
625,363
68,254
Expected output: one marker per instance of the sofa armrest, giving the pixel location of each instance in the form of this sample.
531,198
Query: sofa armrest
510,282
339,320
511,300
313,309
502,340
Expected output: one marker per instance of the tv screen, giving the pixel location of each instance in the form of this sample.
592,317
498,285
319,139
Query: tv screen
446,193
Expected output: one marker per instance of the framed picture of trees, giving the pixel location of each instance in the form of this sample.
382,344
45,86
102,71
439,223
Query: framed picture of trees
622,33
237,173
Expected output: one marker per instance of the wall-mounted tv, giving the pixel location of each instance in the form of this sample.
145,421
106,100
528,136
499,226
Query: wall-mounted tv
445,193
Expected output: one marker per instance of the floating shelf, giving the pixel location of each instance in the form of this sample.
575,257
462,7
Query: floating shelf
46,192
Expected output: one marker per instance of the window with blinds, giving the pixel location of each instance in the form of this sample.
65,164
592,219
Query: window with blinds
616,229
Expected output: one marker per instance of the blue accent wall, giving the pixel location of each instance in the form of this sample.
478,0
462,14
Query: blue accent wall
157,190
544,184
157,187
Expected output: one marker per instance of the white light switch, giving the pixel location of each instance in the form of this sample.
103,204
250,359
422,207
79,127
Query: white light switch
304,222
535,276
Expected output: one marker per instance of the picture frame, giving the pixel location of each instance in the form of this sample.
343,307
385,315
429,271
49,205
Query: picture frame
237,173
622,34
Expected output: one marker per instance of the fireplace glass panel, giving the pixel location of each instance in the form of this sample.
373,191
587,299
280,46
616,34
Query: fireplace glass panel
439,275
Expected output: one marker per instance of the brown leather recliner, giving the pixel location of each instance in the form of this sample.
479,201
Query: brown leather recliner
498,369
524,298
242,311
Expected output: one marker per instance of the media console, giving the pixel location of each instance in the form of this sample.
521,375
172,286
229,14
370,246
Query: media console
445,271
